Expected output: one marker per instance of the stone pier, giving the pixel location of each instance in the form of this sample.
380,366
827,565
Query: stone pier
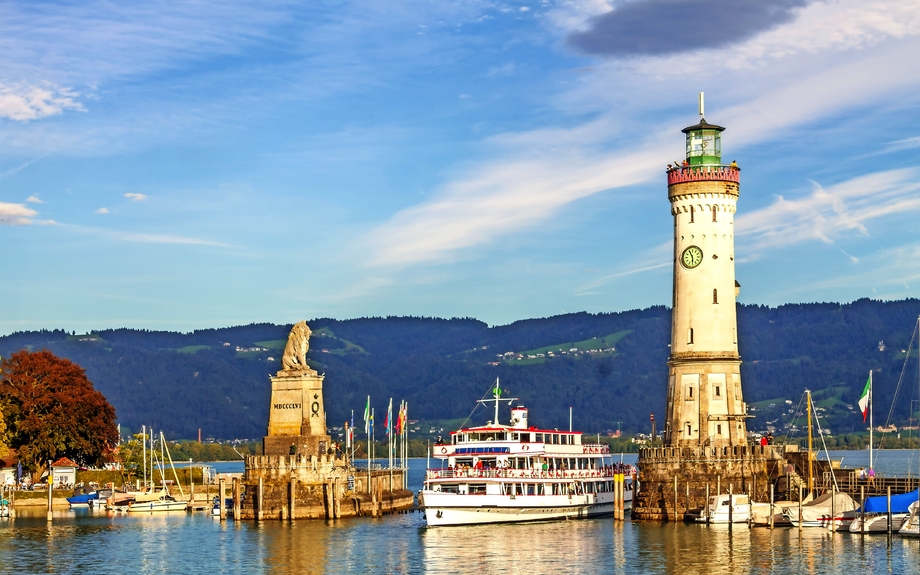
319,487
665,473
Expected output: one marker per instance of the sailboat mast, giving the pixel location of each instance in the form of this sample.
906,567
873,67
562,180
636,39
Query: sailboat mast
810,469
144,443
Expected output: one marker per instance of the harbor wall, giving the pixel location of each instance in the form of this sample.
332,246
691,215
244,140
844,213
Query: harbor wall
319,487
673,480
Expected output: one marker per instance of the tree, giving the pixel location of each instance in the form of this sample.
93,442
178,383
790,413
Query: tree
52,411
4,448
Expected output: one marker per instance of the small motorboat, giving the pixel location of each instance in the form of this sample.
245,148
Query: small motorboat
726,508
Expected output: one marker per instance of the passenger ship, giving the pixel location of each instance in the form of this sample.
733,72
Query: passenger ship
510,473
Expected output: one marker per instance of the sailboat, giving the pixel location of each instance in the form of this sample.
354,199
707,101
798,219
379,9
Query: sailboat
161,500
873,515
832,510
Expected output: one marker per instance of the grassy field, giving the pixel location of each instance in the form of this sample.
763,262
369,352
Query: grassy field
593,344
193,348
276,344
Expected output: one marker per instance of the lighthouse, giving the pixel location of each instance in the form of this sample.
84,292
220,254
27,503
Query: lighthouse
705,450
705,405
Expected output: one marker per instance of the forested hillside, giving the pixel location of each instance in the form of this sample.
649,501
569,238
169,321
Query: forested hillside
611,368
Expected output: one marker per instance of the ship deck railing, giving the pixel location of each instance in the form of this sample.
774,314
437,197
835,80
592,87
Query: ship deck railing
451,473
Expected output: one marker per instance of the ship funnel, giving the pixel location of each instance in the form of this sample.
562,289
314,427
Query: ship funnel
519,417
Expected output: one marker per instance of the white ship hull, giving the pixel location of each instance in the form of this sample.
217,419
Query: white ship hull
155,506
453,509
877,523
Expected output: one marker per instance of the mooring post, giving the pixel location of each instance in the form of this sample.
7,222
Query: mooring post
862,509
616,498
833,526
292,496
772,511
731,504
191,497
687,499
719,485
336,501
259,501
221,501
675,498
373,498
889,510
800,507
50,489
236,499
707,502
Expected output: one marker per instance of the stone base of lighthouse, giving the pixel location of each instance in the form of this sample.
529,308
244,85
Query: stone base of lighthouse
673,480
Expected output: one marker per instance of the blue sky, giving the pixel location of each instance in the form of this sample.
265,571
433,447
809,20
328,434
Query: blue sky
178,165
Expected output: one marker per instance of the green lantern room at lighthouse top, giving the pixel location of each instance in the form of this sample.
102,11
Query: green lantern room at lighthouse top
704,141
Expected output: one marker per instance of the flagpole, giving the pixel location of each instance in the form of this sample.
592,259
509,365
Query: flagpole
870,419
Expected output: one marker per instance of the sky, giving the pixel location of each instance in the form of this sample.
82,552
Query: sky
183,165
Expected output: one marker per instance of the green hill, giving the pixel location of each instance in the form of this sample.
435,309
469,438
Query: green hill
181,382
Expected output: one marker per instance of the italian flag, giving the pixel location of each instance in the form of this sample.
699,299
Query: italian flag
864,400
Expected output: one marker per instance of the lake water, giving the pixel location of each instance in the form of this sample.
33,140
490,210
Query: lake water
87,543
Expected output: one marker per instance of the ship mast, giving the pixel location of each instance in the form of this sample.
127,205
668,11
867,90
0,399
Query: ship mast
497,397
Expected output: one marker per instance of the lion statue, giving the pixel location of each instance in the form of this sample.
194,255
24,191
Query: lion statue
295,352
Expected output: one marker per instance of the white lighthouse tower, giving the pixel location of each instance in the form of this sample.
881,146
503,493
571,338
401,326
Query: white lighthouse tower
705,405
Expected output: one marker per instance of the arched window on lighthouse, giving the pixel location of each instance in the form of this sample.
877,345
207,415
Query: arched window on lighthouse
715,210
689,430
715,296
691,214
690,335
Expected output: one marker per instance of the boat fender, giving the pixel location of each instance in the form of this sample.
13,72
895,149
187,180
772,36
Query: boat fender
525,448
443,450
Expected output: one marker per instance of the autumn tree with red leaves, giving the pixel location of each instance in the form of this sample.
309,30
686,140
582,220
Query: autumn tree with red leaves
51,410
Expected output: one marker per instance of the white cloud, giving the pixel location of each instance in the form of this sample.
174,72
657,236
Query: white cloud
905,144
166,239
135,197
15,214
34,200
23,102
501,199
838,25
102,210
832,212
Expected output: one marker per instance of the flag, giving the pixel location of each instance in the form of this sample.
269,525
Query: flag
386,421
367,416
399,419
405,416
864,400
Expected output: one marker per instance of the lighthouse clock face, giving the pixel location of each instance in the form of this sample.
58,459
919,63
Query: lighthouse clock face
691,257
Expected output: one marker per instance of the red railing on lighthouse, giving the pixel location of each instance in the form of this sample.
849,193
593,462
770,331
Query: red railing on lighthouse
717,173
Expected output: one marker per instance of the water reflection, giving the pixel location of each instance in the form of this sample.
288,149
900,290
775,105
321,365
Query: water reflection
181,543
